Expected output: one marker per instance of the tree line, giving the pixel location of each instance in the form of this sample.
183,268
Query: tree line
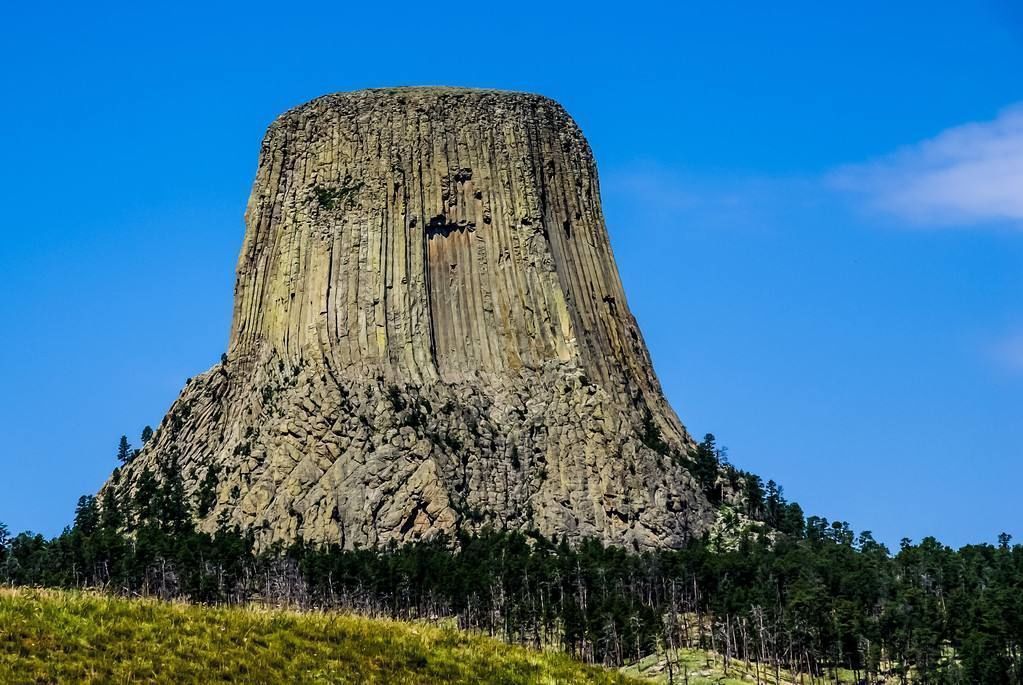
788,592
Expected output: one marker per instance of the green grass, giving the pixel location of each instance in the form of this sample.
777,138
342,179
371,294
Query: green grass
707,668
71,637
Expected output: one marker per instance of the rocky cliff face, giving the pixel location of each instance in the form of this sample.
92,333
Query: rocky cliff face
430,334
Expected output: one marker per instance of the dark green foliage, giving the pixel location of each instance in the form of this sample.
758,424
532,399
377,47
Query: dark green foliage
753,495
825,601
206,497
111,515
147,434
338,197
815,598
651,436
5,540
706,467
173,514
144,503
772,504
124,450
87,518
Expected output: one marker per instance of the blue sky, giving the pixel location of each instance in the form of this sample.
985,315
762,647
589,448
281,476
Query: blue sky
817,211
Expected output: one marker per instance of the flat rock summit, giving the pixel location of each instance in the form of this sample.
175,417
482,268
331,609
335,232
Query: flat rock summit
430,335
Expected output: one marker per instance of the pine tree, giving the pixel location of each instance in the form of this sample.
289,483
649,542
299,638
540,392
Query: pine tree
814,600
111,516
773,503
87,515
144,503
792,520
147,435
206,496
5,539
173,512
753,491
706,465
124,451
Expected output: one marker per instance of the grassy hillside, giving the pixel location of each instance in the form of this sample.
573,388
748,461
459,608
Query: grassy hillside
699,667
85,638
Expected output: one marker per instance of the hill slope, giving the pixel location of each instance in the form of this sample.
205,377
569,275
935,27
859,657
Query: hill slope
74,637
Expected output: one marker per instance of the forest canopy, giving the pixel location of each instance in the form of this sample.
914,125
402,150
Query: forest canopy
806,595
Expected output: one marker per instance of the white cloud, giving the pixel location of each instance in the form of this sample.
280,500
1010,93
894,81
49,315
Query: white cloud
970,174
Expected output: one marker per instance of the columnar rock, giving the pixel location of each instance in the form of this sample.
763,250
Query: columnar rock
430,335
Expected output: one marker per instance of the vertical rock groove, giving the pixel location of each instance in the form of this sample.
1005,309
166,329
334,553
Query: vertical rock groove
430,334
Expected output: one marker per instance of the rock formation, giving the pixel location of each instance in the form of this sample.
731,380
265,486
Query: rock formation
430,335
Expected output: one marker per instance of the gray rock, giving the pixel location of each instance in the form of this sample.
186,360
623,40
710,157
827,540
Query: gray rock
430,335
